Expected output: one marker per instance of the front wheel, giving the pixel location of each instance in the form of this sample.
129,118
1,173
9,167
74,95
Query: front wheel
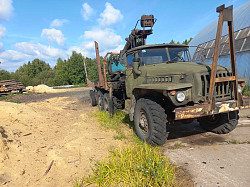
150,122
220,123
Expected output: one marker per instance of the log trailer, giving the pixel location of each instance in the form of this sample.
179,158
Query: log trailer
158,84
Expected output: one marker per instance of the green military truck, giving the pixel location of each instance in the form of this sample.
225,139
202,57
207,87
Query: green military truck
158,85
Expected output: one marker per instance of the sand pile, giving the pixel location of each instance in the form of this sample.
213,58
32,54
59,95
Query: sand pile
39,89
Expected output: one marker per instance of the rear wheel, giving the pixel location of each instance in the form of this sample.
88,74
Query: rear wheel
150,122
92,94
107,103
100,100
220,123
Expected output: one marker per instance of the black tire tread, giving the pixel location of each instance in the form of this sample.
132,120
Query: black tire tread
92,98
100,94
224,125
158,120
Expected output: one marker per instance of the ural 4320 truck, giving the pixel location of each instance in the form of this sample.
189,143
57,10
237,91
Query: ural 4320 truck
159,84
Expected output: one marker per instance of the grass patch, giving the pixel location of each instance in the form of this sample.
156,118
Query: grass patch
107,122
120,136
177,145
138,165
12,95
234,141
14,101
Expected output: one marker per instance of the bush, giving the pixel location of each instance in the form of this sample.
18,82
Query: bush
246,91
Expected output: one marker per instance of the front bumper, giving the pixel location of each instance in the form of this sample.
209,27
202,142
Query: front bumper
201,110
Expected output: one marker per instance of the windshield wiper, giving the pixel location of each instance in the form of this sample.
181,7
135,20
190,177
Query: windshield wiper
180,57
171,61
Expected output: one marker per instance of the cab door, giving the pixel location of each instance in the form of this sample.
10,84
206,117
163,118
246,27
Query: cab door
130,75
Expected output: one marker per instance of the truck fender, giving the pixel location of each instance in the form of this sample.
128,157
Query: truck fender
132,107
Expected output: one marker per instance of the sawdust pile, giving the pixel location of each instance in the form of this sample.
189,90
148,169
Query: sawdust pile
39,89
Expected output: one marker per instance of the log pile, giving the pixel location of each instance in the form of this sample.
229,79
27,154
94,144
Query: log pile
11,87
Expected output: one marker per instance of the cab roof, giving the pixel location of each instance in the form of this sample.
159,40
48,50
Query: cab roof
157,45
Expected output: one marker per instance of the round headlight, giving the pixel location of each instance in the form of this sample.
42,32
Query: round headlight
239,88
180,96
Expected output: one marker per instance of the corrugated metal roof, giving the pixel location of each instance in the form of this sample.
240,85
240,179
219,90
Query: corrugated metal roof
241,21
242,44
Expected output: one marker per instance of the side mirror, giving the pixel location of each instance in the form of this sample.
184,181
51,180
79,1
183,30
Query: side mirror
136,62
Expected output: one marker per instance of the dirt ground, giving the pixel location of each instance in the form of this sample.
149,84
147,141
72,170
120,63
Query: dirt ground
50,139
52,128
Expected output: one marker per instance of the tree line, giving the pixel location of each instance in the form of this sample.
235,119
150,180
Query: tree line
65,72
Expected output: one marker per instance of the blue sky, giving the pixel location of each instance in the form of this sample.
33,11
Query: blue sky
49,29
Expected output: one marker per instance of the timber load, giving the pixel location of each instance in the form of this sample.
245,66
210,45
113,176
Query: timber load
11,87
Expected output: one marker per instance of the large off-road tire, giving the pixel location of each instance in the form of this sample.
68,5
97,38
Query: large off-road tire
150,122
220,123
93,97
108,104
100,100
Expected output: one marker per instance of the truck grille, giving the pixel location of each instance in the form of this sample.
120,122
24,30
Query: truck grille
159,79
223,90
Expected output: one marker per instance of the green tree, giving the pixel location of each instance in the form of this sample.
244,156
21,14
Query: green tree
75,69
61,73
4,75
172,42
33,73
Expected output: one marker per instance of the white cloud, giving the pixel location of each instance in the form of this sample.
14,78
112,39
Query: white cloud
110,15
39,50
105,37
53,35
86,11
12,55
87,49
2,31
1,45
5,9
58,22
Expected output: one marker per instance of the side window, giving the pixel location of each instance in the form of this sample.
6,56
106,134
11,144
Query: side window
123,59
130,60
140,56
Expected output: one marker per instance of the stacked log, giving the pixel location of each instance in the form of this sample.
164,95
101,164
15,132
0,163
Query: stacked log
11,87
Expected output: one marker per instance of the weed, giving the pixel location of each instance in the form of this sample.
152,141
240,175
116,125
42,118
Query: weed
139,165
178,144
14,101
120,136
233,141
110,123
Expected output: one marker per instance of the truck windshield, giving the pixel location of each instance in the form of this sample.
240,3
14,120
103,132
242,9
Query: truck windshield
160,54
178,54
